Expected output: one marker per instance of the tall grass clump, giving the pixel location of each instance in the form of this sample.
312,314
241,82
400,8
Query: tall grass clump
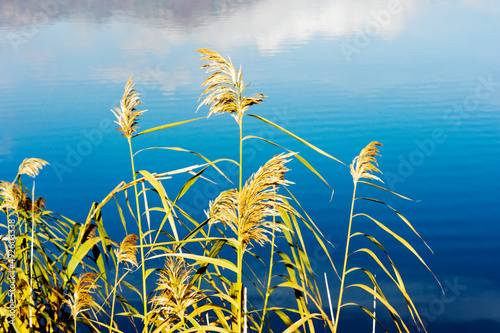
173,272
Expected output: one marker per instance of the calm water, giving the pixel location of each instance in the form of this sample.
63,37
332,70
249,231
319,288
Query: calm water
422,77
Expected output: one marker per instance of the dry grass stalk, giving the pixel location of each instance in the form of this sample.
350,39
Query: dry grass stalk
225,87
362,165
177,294
32,166
127,251
11,195
82,299
245,211
127,115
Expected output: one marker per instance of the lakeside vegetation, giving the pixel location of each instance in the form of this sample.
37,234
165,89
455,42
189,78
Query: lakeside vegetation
72,274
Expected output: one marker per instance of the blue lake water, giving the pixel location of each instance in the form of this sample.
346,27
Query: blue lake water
422,77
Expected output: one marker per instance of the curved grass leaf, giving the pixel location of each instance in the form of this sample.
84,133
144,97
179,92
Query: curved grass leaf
158,128
401,240
297,138
401,217
200,259
79,254
300,158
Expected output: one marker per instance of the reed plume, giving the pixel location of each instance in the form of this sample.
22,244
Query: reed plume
11,195
177,294
361,167
245,211
126,253
225,87
127,114
32,166
82,299
363,164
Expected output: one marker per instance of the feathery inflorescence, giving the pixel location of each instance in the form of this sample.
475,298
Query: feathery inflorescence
89,233
127,251
362,165
245,211
224,88
177,294
82,298
11,195
127,114
32,166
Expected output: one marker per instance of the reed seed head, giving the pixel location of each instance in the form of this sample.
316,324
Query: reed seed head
224,87
11,195
127,251
89,233
245,211
127,115
26,203
32,166
177,294
363,164
82,299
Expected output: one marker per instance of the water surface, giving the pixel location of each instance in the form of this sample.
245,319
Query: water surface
422,77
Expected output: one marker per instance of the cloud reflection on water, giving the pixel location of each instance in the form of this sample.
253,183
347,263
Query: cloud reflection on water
269,24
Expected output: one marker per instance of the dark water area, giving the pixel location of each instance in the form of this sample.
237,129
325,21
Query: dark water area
422,77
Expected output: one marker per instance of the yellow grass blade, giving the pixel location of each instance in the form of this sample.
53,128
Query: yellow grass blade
158,128
369,313
401,217
401,240
300,322
300,158
200,259
79,254
383,188
297,138
213,164
383,301
163,196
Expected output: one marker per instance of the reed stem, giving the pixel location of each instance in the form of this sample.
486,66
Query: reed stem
31,259
143,269
240,236
342,280
264,311
114,297
240,123
239,283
